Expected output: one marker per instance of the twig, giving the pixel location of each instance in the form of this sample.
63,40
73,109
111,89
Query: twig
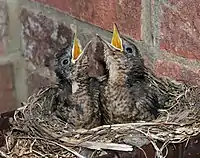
142,151
128,125
162,110
7,146
68,149
187,142
37,152
164,146
158,152
109,146
55,143
4,154
31,146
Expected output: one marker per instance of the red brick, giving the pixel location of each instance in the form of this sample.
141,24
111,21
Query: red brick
126,13
2,48
176,71
148,61
7,98
190,76
6,76
180,28
36,81
3,18
42,37
3,25
128,17
168,69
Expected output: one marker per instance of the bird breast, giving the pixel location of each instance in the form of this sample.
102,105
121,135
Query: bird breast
75,87
119,105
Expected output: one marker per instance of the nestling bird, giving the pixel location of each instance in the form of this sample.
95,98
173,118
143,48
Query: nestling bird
129,48
126,96
82,108
64,61
63,68
76,93
123,43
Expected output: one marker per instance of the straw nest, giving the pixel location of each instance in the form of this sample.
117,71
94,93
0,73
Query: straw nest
36,132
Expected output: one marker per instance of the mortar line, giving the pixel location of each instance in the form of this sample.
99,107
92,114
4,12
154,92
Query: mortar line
13,51
146,29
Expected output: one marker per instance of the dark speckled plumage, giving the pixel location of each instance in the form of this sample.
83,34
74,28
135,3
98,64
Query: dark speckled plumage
78,94
63,64
63,68
85,90
127,96
124,95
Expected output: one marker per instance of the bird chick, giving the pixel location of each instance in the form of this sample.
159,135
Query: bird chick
126,97
123,43
63,68
63,64
83,109
63,60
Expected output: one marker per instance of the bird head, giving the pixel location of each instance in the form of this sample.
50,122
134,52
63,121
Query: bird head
80,61
91,60
123,44
130,57
123,64
65,59
63,63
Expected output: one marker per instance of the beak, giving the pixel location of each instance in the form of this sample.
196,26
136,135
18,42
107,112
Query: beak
116,40
106,43
76,49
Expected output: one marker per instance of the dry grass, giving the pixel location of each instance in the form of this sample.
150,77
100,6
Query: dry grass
36,132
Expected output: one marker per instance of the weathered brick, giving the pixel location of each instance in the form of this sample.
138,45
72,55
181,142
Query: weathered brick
36,81
42,37
148,62
2,47
126,13
3,18
168,69
190,76
180,28
3,25
6,76
177,71
7,97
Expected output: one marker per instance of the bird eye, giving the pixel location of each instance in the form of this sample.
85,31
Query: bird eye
129,50
65,62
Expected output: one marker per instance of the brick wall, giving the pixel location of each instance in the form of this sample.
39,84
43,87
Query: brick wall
31,31
167,31
7,96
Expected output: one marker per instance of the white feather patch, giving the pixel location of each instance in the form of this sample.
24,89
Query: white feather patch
74,87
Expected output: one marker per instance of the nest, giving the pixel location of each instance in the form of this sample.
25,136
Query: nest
36,132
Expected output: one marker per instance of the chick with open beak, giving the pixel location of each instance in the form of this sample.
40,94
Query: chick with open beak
126,96
123,44
83,109
64,60
130,49
63,63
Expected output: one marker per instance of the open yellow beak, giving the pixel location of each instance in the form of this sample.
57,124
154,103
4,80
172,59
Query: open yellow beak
116,40
76,49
